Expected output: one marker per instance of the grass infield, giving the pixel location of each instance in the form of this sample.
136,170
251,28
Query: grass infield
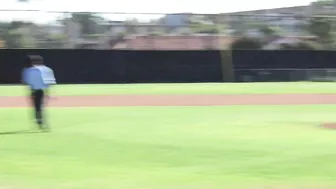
199,88
170,147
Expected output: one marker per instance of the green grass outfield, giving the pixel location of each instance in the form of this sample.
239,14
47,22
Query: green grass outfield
171,148
204,88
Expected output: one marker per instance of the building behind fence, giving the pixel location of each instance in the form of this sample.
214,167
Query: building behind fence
140,31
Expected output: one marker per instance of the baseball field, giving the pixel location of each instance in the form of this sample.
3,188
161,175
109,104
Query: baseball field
172,136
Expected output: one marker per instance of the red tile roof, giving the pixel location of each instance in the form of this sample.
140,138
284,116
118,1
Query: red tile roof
182,42
178,42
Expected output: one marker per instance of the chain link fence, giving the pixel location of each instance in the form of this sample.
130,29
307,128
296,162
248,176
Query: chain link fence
141,31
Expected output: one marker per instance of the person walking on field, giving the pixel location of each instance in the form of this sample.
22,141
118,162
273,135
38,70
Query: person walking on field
39,78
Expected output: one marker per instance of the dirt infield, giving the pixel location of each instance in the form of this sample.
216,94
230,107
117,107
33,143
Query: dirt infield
176,100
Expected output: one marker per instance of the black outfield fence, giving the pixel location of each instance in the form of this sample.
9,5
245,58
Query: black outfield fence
263,59
121,66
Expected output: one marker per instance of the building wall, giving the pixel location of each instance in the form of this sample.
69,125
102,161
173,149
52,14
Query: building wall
176,20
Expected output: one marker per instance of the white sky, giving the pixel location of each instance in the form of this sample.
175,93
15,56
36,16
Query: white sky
134,6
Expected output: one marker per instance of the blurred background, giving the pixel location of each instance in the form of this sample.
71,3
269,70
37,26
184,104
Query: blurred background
249,25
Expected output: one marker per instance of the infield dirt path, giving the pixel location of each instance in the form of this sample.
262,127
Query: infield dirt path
176,100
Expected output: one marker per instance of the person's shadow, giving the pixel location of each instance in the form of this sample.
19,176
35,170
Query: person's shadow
21,132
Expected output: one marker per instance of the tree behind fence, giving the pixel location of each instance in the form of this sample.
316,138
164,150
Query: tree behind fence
185,31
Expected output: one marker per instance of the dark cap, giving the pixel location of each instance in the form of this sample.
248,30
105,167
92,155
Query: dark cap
36,59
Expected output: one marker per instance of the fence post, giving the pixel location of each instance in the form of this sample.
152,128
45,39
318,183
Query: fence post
228,74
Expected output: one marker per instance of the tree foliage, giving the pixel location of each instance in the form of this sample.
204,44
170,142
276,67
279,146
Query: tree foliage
11,35
321,28
206,28
89,22
13,39
302,45
131,26
269,31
